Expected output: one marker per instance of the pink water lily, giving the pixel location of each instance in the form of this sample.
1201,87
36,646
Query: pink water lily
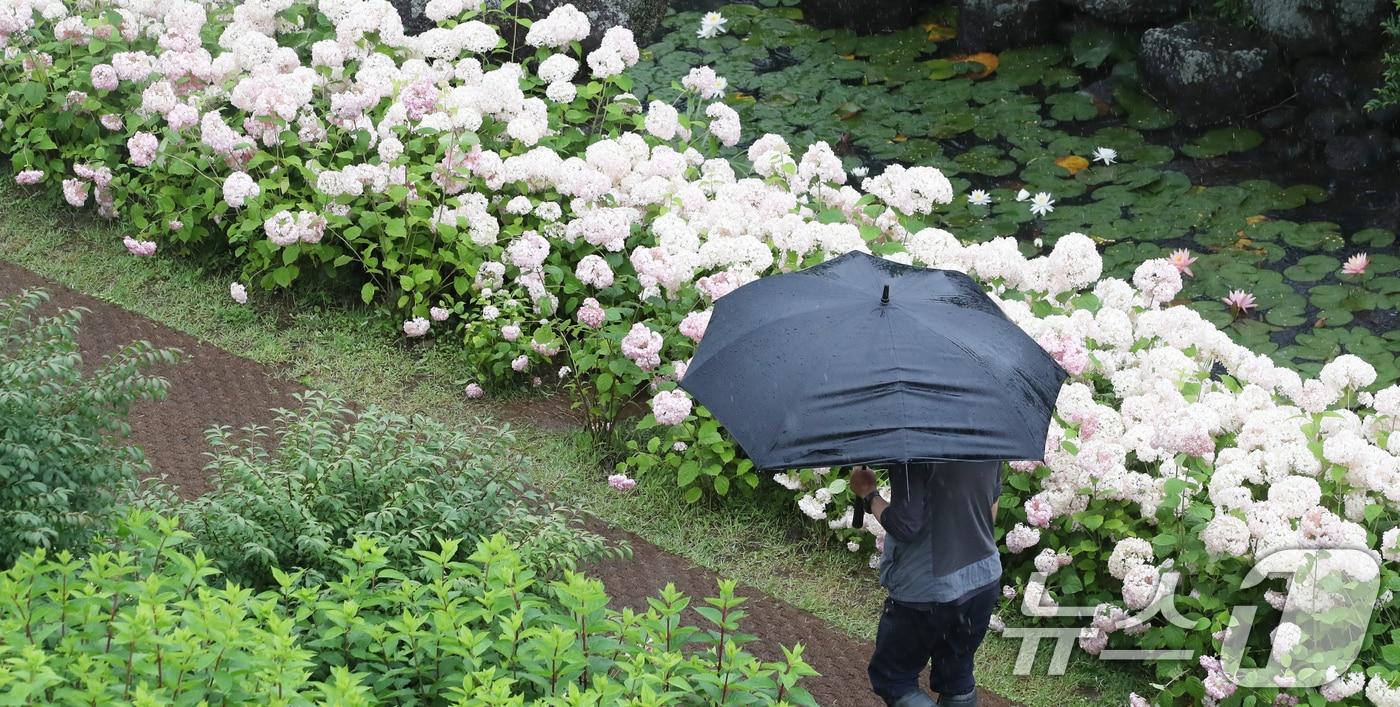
1182,259
1356,264
1239,301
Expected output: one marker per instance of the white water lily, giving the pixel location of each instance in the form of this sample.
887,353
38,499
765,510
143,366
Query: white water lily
1042,204
711,25
1106,155
979,197
1022,195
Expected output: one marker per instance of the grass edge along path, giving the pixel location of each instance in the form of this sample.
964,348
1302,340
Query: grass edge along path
348,352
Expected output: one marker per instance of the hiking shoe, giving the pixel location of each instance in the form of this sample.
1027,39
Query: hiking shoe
917,698
968,700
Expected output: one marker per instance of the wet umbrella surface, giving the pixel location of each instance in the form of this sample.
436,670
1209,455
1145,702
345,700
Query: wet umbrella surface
861,360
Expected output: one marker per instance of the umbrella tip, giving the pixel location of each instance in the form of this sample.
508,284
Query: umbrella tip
885,296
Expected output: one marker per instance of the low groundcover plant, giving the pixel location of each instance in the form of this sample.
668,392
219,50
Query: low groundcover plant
145,618
63,463
290,497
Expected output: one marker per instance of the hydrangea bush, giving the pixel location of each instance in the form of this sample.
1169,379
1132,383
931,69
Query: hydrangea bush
519,197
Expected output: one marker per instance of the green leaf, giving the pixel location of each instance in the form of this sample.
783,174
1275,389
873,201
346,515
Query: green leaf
688,472
722,485
1222,141
367,292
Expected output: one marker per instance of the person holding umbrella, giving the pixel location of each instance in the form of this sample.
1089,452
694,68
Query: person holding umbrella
862,361
942,570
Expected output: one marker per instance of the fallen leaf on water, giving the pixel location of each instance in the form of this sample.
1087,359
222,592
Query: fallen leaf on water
900,138
847,57
1074,164
987,59
1256,219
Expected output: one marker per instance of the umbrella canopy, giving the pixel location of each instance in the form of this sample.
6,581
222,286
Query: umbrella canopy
861,360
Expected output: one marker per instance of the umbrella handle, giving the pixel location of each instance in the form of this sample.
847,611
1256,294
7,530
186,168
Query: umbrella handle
858,518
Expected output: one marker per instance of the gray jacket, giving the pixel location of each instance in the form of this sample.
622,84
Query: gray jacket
940,544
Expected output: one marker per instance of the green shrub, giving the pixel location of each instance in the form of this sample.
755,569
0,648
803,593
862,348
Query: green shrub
1389,92
292,496
141,620
60,467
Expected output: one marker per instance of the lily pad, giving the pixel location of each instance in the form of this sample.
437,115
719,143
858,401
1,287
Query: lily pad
1373,237
1143,112
1222,141
986,159
1314,236
1313,268
1070,107
1091,47
1288,314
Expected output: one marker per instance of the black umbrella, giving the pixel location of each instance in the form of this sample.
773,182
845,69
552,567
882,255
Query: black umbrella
861,360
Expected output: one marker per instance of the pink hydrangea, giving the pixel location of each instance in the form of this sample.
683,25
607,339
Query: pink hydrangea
419,98
622,482
520,364
104,77
593,271
694,325
642,346
510,332
111,121
663,121
29,177
1158,280
144,249
591,314
671,407
703,81
724,124
182,116
238,292
415,327
718,285
142,147
281,228
75,191
1022,537
475,391
1068,351
529,251
1140,586
1039,513
239,188
439,314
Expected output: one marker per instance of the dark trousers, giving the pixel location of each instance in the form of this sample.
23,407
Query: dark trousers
945,636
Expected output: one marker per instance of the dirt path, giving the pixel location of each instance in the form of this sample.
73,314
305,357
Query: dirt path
213,387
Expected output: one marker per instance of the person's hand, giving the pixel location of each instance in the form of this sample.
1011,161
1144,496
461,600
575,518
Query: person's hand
862,481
